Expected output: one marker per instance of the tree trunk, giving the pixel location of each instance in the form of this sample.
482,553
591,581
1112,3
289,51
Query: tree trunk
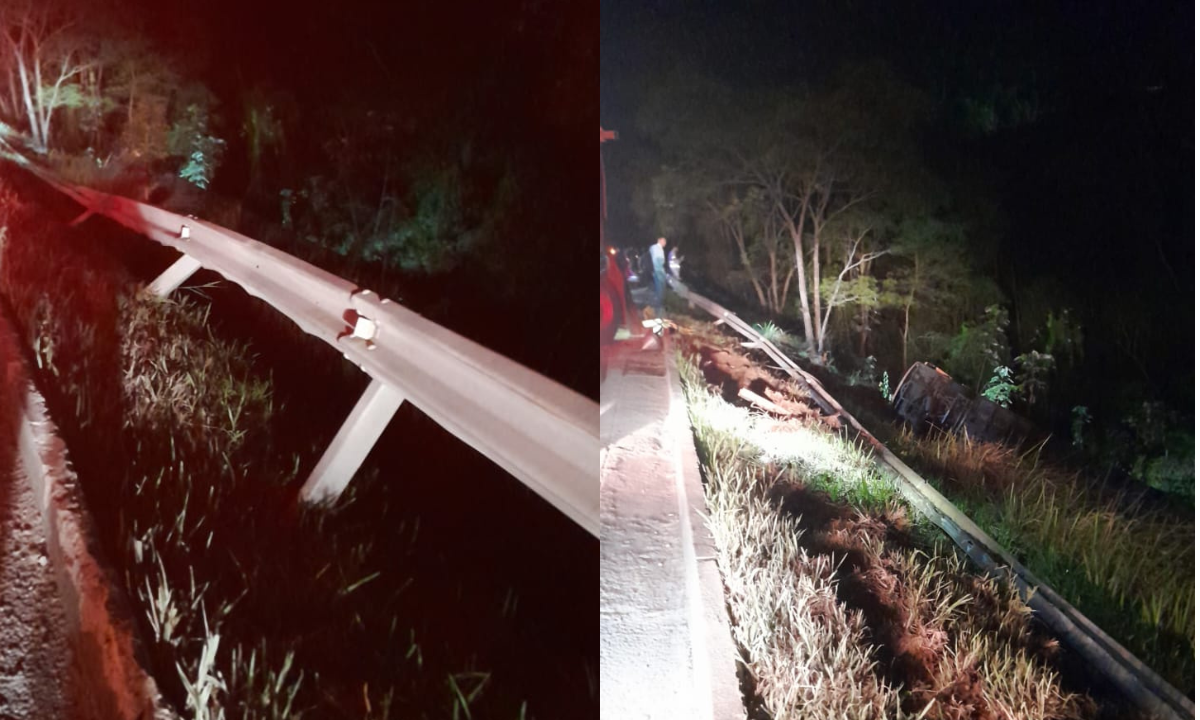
798,244
132,94
787,284
738,235
816,290
39,100
818,219
864,317
774,288
34,125
912,293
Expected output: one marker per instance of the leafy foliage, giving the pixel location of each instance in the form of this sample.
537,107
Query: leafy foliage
865,374
430,224
1163,451
191,137
1033,375
1080,418
773,333
979,348
1000,388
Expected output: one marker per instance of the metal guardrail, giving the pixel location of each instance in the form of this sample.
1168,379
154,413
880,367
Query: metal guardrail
539,431
1140,684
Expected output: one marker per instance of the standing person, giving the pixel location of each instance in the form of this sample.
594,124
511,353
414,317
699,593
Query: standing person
658,259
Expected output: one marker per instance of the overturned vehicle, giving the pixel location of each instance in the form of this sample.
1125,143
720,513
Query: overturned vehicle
927,395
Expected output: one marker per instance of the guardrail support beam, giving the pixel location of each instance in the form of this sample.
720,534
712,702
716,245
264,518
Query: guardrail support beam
353,441
86,214
174,276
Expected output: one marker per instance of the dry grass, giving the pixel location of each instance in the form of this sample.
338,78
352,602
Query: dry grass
958,645
1129,568
978,630
808,653
178,380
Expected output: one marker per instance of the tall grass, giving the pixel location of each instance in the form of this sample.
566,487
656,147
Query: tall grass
179,381
811,655
1126,567
808,653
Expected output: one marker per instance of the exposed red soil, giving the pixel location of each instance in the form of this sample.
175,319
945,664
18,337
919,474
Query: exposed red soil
732,372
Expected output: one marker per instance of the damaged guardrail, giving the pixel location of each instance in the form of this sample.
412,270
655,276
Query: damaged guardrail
1140,684
539,431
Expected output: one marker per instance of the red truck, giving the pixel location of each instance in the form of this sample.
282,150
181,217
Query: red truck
612,275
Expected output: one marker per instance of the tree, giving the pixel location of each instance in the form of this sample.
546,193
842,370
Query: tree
853,284
1034,370
834,161
810,174
980,348
191,137
141,84
933,271
264,115
46,56
752,229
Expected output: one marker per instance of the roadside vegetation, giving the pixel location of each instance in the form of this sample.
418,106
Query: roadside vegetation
249,606
1119,552
842,601
1124,563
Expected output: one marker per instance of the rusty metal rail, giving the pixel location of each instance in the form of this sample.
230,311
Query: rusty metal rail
540,432
1144,688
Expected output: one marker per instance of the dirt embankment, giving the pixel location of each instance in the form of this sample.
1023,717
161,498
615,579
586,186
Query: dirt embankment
742,381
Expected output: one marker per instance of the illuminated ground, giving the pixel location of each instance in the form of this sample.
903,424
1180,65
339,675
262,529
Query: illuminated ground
660,654
35,677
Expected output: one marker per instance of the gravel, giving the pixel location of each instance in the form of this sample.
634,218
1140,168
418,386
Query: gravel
36,680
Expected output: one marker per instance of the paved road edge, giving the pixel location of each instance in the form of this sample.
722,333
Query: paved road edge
113,683
716,658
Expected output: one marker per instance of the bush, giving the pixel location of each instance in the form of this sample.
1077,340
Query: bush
1000,388
1033,372
1160,454
977,348
191,138
1172,471
773,333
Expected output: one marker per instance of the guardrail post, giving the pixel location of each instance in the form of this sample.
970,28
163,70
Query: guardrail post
174,276
350,446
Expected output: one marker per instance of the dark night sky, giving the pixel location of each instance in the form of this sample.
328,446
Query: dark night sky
1097,195
533,62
